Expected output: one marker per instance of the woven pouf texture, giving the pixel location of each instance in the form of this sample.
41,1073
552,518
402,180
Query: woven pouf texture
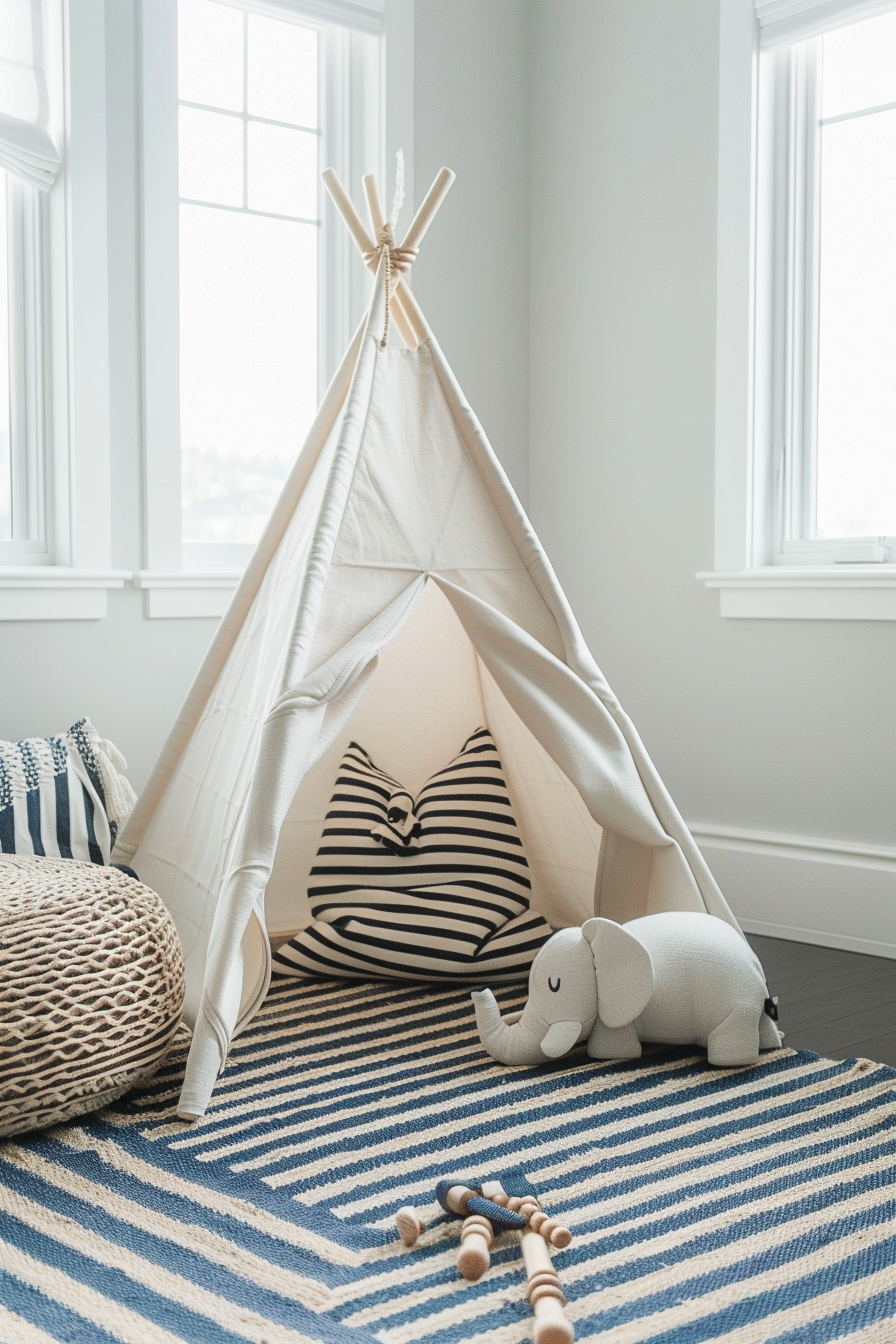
91,988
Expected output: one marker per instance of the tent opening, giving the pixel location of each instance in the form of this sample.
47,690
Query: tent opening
430,691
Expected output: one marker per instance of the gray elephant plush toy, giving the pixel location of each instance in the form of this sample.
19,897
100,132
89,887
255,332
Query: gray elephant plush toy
679,978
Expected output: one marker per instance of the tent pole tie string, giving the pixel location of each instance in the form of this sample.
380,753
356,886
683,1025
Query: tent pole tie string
398,260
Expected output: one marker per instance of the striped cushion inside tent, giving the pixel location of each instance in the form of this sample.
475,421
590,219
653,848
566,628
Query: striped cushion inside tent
432,889
63,796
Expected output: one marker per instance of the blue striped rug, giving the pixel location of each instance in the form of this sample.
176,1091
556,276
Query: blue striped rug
747,1205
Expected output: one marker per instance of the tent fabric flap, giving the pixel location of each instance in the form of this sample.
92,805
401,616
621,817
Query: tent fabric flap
301,724
578,732
566,717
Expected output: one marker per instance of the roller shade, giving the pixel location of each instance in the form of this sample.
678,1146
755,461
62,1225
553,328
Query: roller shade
364,15
25,145
784,21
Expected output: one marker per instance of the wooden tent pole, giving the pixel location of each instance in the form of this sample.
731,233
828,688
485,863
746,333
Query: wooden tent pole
407,309
427,212
429,208
412,313
346,207
374,204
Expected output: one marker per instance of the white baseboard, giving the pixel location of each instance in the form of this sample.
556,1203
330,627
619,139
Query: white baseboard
828,892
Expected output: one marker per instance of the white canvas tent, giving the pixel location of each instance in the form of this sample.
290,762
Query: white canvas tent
399,596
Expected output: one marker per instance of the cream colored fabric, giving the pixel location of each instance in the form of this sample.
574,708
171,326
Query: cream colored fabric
563,841
397,524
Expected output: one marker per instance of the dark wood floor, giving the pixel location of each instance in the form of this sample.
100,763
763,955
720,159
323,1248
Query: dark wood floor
839,1004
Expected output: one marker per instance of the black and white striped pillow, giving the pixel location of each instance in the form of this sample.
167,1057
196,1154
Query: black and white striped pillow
432,889
63,796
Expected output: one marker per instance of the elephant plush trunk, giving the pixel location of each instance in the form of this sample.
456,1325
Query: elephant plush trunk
509,1042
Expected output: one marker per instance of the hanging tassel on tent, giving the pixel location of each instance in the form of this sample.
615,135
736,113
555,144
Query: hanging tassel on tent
398,198
396,258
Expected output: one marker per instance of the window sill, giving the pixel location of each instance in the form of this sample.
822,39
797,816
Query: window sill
56,593
187,594
807,593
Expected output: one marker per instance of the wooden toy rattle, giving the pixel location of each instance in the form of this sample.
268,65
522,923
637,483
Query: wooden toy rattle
546,1297
482,1218
492,1209
538,1220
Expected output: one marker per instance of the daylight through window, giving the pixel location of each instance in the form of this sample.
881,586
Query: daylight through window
856,415
249,138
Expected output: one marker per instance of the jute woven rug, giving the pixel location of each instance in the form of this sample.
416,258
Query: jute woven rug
747,1205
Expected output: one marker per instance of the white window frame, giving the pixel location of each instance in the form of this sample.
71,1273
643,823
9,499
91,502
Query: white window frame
26,219
190,580
59,566
766,563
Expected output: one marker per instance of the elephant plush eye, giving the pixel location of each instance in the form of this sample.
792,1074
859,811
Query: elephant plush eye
551,986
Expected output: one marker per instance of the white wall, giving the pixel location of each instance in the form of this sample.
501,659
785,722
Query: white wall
472,115
571,280
781,727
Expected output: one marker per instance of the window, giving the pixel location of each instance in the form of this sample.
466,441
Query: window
833,341
249,140
249,295
23,369
806,311
856,427
55,516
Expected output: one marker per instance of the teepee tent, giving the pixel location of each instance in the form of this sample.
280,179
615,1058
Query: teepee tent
400,597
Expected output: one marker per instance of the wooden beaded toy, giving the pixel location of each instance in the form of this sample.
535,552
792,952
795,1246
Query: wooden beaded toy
490,1209
481,1218
546,1297
538,1220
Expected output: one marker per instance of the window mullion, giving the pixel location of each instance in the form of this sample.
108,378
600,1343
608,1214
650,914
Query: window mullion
36,361
18,449
26,364
351,142
245,111
795,286
774,335
811,202
334,258
798,181
161,283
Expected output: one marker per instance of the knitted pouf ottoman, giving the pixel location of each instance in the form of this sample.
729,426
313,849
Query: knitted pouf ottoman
91,988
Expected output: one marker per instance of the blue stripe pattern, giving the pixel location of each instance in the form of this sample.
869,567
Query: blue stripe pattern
50,792
755,1204
93,849
63,817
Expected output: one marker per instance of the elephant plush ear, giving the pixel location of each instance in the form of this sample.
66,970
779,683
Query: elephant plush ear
624,972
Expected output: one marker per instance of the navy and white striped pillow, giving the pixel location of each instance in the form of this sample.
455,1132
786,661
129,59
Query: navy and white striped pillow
63,796
432,889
